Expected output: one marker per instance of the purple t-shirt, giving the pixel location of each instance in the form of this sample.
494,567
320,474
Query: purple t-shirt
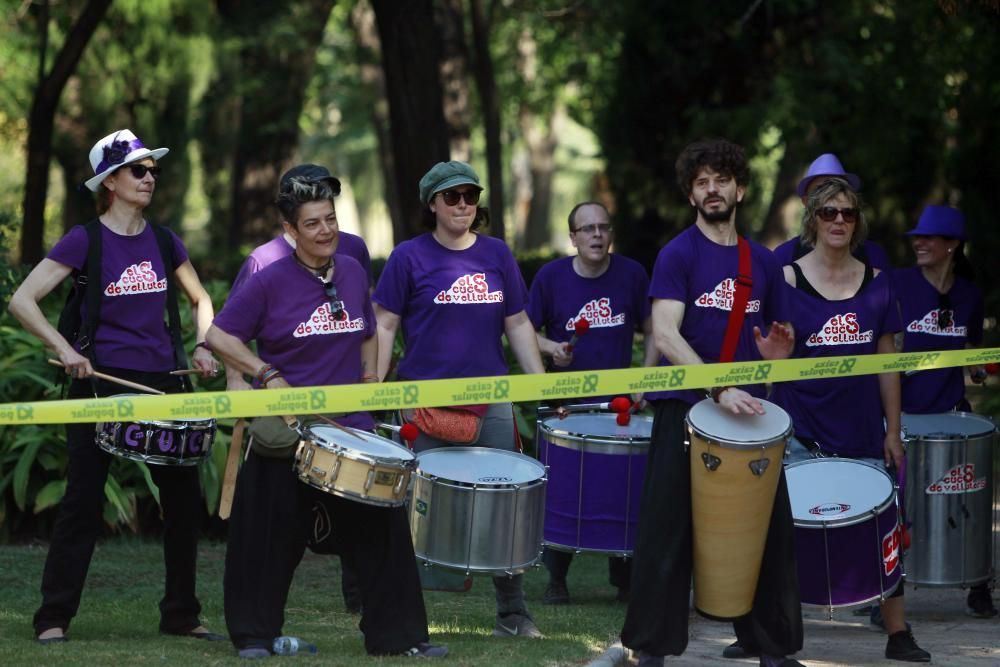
452,305
869,252
941,389
261,256
286,310
843,414
702,274
132,331
615,303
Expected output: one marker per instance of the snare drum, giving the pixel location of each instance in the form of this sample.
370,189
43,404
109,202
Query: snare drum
180,442
735,464
949,498
354,464
846,532
596,469
478,510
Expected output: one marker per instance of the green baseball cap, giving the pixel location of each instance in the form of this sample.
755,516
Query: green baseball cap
446,175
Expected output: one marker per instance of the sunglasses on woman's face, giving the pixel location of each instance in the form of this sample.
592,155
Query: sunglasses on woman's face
829,214
139,171
451,197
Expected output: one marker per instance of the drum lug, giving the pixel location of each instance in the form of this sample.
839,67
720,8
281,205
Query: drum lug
369,480
711,462
759,466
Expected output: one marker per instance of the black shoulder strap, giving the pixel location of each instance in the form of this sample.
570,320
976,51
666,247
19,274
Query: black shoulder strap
165,242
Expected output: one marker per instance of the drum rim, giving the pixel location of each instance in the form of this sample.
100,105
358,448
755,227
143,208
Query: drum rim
972,416
184,424
349,452
878,510
743,444
350,495
154,459
584,437
431,477
369,459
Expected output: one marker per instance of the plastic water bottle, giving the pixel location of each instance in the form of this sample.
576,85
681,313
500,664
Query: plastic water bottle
291,646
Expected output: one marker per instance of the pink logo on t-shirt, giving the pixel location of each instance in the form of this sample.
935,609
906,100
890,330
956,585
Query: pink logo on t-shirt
139,278
722,298
470,288
321,323
840,330
928,324
598,313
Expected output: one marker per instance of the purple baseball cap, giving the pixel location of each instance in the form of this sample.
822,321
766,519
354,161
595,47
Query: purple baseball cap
827,164
940,221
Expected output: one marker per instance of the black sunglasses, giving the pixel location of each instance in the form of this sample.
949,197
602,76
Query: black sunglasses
451,197
336,305
829,214
139,171
946,316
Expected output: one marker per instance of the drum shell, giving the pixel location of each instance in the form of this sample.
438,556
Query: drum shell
842,562
730,514
951,533
316,462
480,528
594,488
166,443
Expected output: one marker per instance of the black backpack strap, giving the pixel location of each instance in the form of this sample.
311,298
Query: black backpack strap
165,241
93,312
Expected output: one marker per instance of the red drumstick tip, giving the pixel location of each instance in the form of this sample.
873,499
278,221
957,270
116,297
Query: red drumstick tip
582,326
623,418
620,405
991,368
409,432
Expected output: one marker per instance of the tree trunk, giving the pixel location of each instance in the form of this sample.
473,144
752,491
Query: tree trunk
418,132
454,65
779,222
41,123
487,86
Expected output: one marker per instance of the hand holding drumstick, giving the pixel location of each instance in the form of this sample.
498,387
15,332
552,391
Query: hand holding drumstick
71,371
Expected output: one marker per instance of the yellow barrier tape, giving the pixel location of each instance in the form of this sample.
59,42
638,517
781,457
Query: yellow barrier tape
465,391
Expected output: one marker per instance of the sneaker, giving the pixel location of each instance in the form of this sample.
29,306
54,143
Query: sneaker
425,650
736,651
516,625
979,604
556,593
649,660
901,646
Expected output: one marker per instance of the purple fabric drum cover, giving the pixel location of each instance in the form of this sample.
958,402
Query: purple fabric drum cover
596,473
846,532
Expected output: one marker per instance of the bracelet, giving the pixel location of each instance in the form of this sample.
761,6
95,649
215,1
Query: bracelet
267,373
715,392
203,344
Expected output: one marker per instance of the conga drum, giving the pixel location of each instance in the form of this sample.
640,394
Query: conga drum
735,463
949,498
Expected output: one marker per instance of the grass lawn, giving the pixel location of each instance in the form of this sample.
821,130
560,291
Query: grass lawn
117,622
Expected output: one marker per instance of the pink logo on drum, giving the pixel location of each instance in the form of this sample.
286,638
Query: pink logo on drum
829,509
494,479
960,479
890,550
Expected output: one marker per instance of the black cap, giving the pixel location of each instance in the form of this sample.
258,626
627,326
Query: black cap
310,172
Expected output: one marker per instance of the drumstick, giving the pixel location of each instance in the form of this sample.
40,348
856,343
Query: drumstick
190,371
407,432
581,327
342,428
232,470
112,378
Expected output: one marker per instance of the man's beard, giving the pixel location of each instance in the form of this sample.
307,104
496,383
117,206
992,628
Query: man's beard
716,216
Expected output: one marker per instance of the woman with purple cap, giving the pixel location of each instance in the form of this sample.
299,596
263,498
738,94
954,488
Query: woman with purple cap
456,292
122,332
942,309
824,167
841,306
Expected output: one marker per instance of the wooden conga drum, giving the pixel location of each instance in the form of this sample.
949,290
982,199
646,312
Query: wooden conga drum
735,463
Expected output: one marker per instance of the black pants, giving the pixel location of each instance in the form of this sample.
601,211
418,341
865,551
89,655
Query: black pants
80,521
557,562
271,520
657,617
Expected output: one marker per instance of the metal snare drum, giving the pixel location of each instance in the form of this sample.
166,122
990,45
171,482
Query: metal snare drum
178,442
949,498
478,510
356,465
596,470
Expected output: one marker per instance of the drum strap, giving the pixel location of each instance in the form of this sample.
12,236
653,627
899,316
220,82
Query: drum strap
744,284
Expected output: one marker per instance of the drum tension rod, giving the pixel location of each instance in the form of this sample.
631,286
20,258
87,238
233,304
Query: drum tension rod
711,462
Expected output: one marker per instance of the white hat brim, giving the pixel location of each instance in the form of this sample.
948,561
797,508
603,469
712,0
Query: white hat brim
134,156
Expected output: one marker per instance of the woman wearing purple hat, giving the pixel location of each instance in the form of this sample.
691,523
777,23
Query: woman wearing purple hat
121,331
942,309
456,292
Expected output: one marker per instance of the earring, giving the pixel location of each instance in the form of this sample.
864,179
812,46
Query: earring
950,249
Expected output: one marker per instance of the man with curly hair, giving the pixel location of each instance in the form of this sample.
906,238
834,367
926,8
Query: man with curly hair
692,294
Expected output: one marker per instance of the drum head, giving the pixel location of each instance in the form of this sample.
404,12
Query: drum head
836,491
602,426
710,419
947,426
479,465
374,446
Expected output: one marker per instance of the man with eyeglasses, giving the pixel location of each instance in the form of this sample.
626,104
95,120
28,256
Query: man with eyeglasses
609,292
693,291
281,246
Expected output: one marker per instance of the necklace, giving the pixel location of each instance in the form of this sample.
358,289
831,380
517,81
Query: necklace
318,271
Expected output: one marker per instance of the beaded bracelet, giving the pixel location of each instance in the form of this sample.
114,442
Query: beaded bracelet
267,373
